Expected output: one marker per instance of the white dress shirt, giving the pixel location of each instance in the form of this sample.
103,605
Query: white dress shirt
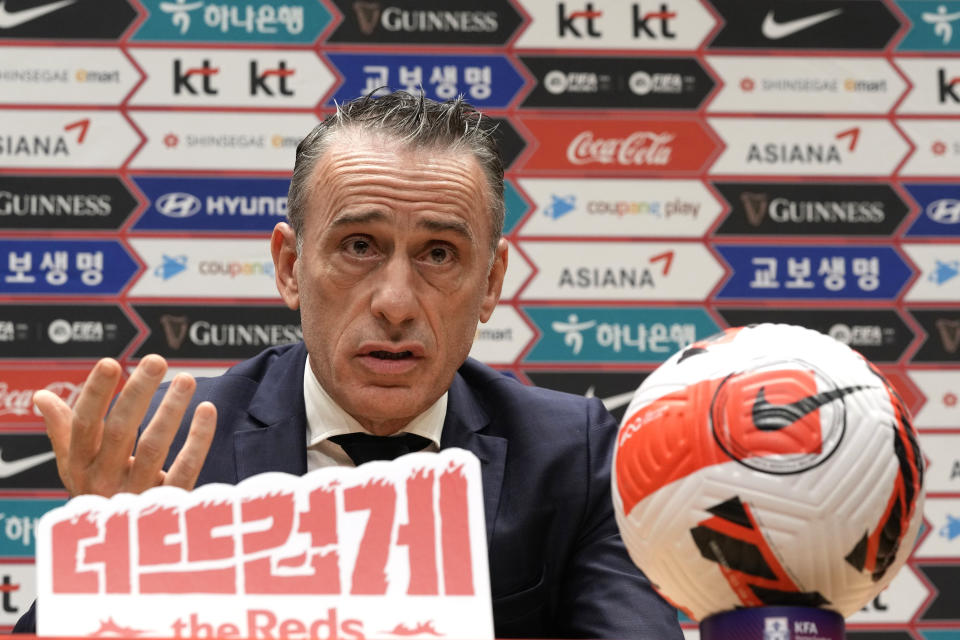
326,418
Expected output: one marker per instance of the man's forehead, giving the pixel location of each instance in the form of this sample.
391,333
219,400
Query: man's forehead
360,169
351,152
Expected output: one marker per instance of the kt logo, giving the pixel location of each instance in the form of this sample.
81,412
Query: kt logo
182,79
7,588
566,20
641,22
258,80
948,88
194,80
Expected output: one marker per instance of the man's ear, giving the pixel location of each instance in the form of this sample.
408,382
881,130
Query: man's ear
494,281
283,248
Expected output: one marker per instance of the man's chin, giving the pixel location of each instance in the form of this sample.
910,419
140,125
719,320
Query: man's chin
379,404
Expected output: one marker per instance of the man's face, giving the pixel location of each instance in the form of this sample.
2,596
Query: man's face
393,275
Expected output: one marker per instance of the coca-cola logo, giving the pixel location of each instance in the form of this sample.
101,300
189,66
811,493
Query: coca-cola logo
19,402
640,148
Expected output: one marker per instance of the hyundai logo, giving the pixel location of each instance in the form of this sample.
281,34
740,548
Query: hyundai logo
178,205
945,211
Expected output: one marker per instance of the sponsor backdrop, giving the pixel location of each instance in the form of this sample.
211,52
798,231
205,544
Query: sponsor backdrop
673,167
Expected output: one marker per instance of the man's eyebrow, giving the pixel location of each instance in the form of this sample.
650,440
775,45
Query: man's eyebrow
439,226
345,219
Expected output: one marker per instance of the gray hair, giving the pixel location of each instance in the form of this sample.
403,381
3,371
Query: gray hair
415,121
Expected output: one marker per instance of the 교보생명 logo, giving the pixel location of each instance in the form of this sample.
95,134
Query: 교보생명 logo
487,81
808,272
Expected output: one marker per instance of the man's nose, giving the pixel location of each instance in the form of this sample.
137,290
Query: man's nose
394,295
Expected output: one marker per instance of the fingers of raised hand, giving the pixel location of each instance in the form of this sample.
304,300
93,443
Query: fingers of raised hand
120,426
154,443
86,427
185,469
57,416
93,448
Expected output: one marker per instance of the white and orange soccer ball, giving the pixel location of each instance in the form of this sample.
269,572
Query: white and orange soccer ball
768,465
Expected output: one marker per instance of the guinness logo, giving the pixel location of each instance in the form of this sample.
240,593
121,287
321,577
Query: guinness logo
949,331
755,205
175,329
368,15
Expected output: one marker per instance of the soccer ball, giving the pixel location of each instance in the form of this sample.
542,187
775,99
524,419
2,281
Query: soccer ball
768,465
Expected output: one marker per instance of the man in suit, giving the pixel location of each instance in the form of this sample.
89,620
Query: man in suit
393,255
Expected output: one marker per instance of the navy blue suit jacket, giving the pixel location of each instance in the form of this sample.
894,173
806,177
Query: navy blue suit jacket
558,567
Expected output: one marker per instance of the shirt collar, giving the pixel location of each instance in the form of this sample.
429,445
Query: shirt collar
326,418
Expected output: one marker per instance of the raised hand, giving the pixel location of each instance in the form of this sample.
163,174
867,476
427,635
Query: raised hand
94,449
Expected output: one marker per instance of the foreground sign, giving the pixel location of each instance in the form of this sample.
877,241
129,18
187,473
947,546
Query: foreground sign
387,549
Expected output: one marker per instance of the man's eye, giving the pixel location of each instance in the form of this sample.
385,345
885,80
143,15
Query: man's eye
439,255
359,247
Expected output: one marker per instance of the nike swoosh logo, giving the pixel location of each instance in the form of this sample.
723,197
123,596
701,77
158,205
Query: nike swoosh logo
13,467
774,30
9,20
773,417
613,402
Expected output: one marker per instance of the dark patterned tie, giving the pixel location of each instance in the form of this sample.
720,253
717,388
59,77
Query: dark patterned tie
363,447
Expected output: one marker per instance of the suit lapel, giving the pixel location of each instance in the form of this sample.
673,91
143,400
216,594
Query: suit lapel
276,439
465,419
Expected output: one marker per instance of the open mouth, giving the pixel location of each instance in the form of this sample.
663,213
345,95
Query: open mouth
391,355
